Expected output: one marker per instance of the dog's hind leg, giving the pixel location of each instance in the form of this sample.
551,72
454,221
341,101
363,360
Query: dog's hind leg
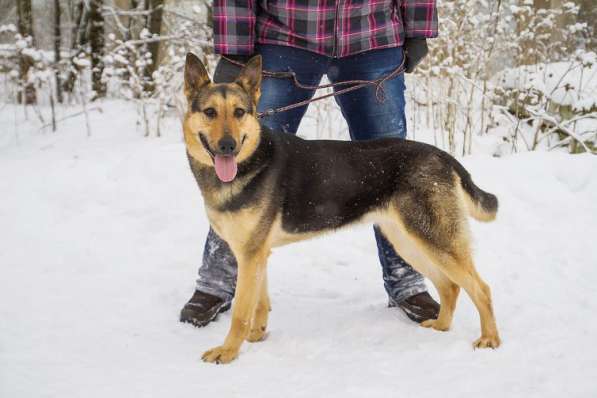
448,290
259,322
251,271
448,294
448,268
460,269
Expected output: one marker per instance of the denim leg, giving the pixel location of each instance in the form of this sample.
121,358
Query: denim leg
308,68
217,275
400,280
369,118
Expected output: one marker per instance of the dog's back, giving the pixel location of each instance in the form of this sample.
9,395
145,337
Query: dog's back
328,184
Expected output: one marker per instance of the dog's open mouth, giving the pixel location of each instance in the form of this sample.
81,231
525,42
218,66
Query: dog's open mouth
225,165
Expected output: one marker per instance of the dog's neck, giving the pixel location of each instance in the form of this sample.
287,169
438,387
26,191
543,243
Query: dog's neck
217,194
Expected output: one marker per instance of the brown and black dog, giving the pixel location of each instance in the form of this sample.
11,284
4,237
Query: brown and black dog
263,189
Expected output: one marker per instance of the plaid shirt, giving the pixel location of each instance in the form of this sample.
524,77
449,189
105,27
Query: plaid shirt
333,28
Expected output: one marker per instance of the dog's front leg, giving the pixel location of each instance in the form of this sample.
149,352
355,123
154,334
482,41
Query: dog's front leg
251,272
262,309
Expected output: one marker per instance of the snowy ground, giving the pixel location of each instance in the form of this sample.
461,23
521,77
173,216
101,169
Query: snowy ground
101,237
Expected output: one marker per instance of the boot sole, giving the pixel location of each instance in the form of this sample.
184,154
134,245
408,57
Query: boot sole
201,323
410,314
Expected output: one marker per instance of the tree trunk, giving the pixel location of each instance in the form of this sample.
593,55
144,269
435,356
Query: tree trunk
561,22
96,41
154,25
134,6
588,14
57,43
25,22
78,41
125,20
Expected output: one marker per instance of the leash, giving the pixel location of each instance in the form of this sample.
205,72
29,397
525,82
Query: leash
354,85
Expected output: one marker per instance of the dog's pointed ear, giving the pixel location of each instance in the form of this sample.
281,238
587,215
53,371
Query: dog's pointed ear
195,75
250,78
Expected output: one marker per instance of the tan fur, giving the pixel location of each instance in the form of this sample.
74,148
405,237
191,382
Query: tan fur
249,318
252,231
196,122
259,321
448,272
216,198
474,209
191,126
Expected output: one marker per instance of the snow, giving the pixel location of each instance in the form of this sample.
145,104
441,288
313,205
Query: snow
101,239
564,83
8,28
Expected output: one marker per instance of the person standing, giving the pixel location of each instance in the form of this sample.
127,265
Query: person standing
345,40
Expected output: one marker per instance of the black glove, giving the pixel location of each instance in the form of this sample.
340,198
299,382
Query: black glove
226,71
414,50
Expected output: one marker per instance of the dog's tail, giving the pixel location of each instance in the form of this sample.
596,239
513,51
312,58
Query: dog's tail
481,205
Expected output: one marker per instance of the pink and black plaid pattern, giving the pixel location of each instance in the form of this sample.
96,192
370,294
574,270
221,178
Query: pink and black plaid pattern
335,28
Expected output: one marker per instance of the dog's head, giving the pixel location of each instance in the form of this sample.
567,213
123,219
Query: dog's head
221,127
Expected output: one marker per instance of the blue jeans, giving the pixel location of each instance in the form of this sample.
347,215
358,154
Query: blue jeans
367,118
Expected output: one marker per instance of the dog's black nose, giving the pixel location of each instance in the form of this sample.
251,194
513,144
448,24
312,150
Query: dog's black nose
227,145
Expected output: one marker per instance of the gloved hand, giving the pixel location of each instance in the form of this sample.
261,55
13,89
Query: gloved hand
226,71
415,50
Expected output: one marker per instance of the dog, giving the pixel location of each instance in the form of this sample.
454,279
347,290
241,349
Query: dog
265,189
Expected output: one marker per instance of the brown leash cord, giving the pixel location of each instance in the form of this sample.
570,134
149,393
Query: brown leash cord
354,85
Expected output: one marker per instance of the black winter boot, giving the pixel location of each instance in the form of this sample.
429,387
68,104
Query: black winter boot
419,307
203,308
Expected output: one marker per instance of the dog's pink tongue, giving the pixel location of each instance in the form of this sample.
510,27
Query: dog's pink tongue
225,167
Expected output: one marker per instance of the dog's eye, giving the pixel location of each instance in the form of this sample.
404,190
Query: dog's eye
210,112
239,112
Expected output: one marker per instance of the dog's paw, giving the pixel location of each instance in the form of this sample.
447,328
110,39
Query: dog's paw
220,355
434,324
257,335
487,342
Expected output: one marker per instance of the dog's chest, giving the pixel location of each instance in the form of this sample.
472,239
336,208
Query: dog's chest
239,226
